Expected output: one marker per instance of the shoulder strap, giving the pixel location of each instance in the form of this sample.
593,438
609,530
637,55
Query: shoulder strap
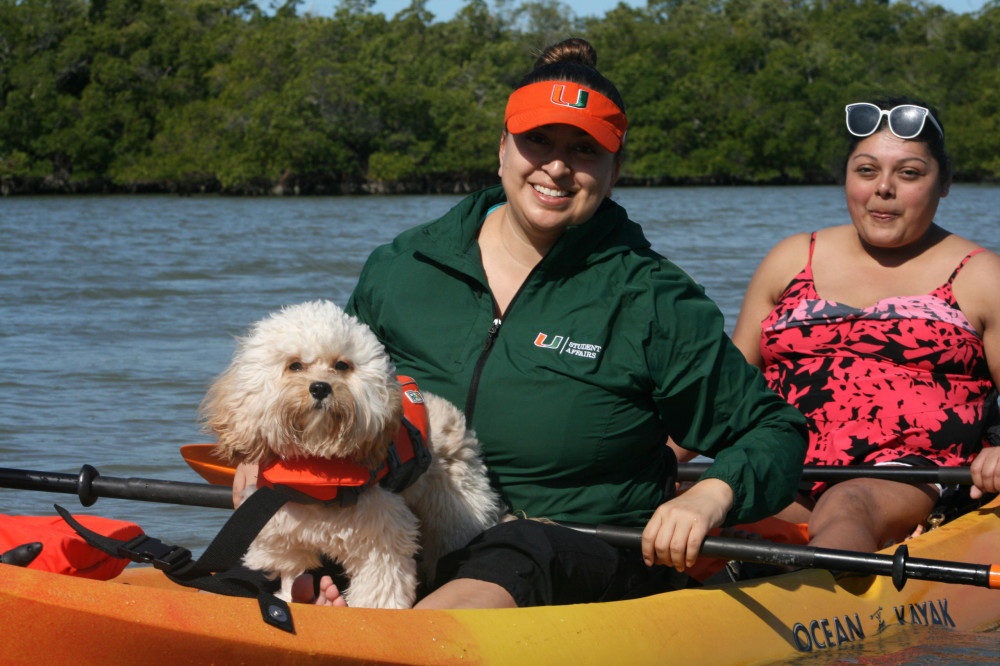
409,455
962,263
812,246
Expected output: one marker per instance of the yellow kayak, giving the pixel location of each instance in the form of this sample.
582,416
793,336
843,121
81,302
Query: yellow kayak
142,617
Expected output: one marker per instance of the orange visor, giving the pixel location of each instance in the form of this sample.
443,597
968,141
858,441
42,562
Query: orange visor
562,102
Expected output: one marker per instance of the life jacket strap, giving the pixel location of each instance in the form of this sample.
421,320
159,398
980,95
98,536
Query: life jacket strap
219,569
150,550
403,468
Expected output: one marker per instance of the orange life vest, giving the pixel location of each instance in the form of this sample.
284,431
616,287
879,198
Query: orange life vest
340,481
63,550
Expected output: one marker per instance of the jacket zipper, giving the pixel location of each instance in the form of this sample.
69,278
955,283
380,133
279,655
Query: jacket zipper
491,336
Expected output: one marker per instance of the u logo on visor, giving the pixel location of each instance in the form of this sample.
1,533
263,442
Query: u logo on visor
559,90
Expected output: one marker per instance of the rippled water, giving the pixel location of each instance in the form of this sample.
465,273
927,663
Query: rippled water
117,312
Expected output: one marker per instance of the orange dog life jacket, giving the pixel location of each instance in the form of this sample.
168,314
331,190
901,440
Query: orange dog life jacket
340,481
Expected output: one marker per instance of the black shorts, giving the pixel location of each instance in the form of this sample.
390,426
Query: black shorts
542,564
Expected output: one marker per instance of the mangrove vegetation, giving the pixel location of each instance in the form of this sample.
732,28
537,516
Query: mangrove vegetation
226,95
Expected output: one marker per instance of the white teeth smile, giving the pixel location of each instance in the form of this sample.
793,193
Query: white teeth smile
551,193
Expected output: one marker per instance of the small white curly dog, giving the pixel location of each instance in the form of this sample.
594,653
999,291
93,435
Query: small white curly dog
312,381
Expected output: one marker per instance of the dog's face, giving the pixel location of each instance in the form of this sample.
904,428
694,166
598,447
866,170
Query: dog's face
307,381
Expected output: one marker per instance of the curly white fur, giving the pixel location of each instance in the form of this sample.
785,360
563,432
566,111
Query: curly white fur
313,381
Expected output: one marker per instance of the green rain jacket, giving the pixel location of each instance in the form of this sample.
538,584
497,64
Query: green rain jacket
606,350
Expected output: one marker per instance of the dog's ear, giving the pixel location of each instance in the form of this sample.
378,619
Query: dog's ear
385,413
227,413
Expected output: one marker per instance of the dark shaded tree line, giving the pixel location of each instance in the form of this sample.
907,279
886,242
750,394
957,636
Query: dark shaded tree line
206,95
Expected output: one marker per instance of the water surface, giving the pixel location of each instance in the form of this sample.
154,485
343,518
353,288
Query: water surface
116,312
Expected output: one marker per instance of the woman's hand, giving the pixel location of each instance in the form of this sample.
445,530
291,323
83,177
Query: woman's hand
674,534
246,475
986,472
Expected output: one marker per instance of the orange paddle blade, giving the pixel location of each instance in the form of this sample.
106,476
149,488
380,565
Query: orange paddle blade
202,459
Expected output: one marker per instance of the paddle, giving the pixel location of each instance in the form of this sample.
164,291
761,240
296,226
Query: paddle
960,476
202,460
89,485
900,566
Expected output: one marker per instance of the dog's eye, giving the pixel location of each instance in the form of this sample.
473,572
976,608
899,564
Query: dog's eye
296,367
341,366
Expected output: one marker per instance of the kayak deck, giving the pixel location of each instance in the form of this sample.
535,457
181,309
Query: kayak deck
141,614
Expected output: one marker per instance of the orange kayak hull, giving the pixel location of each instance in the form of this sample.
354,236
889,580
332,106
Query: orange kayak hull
50,618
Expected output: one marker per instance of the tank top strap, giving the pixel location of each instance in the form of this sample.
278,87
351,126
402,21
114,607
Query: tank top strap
961,264
809,261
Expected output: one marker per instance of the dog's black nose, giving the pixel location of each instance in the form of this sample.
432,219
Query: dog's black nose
320,390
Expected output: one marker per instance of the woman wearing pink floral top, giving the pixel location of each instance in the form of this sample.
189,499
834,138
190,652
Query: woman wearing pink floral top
884,332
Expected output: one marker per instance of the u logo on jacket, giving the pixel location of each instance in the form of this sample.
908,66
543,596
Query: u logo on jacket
542,341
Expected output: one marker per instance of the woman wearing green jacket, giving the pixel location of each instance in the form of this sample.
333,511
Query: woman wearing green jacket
539,309
575,351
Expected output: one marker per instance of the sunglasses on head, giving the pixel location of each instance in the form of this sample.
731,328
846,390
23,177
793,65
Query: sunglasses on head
905,121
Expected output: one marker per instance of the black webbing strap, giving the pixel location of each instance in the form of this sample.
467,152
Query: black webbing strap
218,569
401,474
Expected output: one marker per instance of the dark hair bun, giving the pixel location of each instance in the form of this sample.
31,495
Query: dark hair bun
574,50
572,60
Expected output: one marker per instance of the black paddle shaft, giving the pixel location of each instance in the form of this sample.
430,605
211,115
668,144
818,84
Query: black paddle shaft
900,566
89,485
903,474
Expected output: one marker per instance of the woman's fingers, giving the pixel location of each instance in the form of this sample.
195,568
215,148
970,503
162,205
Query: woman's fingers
986,472
649,536
674,534
685,544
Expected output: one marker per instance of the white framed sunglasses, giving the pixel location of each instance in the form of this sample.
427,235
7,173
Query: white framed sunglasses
906,121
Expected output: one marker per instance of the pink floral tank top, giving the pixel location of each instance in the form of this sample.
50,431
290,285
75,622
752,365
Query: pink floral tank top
902,381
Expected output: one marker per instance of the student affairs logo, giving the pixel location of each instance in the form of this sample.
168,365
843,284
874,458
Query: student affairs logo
563,345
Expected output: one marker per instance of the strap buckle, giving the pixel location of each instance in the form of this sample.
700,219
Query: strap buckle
150,550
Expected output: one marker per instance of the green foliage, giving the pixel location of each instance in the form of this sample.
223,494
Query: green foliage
182,94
